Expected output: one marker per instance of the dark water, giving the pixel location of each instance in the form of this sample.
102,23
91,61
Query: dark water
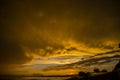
45,78
33,78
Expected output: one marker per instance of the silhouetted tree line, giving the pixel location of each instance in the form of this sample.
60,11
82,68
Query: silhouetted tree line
114,75
86,75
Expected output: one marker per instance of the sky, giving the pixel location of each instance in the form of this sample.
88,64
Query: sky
37,34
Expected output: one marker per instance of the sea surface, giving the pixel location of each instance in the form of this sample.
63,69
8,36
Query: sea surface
35,78
45,78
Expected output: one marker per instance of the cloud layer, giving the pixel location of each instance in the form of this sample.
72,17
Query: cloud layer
45,28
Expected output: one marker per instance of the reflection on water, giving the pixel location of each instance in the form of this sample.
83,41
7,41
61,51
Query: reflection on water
32,78
45,78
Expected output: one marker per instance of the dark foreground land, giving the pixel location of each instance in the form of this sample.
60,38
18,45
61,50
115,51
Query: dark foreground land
106,76
115,75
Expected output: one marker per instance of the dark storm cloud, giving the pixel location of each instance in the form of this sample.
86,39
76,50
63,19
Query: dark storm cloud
37,24
12,52
11,29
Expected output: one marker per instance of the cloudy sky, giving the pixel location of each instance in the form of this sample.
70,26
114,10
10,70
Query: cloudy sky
56,32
